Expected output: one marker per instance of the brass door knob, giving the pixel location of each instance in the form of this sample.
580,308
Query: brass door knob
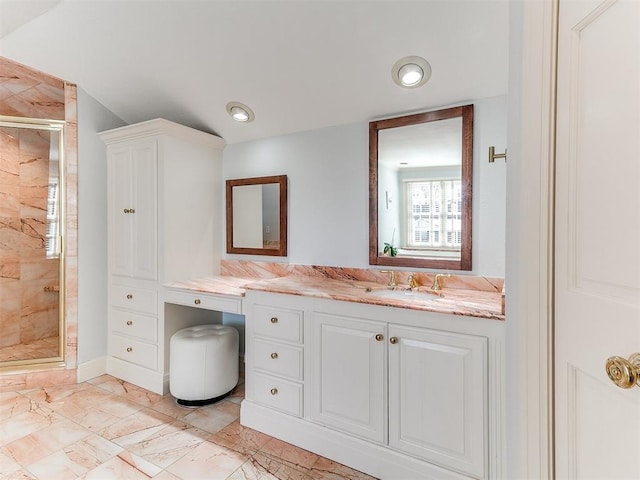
274,355
197,301
274,319
393,340
274,391
379,337
129,349
624,373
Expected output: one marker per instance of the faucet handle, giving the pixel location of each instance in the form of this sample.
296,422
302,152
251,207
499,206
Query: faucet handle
413,281
392,278
436,280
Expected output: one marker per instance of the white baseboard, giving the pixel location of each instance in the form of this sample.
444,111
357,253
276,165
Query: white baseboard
91,369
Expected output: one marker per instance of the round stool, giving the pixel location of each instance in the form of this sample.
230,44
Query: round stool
203,364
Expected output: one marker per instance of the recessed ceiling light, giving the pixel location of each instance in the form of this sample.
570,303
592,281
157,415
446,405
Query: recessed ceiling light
240,112
411,72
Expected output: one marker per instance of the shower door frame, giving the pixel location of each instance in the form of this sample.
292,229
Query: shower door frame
25,365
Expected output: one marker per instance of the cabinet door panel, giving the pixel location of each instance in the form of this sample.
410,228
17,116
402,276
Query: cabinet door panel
437,397
145,226
348,371
120,191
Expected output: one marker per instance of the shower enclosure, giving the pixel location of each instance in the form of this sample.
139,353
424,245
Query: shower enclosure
32,266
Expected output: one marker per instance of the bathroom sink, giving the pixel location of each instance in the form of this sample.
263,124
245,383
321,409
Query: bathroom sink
404,294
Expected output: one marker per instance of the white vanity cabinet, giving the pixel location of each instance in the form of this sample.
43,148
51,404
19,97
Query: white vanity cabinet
348,375
274,356
164,221
393,392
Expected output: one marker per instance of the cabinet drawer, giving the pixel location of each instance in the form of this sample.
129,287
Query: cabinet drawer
134,351
278,358
133,298
279,394
218,303
132,324
277,323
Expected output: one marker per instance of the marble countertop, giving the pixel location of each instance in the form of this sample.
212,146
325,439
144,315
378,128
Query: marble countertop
453,301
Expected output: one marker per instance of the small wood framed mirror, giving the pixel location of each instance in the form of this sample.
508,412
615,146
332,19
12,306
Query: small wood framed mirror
257,216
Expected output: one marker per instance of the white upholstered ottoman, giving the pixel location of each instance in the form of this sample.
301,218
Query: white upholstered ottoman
203,364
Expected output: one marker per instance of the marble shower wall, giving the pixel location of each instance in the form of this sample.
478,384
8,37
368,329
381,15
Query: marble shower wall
26,92
28,311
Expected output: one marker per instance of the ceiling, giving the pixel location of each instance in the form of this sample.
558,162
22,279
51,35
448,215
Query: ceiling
299,64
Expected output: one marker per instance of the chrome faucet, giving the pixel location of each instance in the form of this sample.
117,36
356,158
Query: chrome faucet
436,280
393,283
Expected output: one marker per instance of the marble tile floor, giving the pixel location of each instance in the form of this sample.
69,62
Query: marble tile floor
109,429
43,348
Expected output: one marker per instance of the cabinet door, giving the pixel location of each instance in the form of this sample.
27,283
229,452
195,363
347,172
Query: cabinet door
120,201
349,375
438,397
133,200
144,255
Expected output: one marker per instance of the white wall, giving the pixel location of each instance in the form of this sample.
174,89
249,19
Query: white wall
92,227
328,191
328,178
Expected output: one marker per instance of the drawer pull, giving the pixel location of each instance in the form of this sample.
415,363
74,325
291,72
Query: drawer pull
129,349
274,319
129,322
274,391
379,337
129,296
197,301
393,340
274,355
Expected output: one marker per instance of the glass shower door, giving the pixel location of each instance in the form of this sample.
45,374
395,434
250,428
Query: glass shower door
31,233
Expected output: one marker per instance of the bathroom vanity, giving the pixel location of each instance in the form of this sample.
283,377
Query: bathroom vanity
404,391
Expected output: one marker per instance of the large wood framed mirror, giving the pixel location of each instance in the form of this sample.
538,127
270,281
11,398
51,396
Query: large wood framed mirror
420,195
257,216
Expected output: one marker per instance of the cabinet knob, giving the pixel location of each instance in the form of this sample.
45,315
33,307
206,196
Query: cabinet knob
274,391
129,349
197,301
129,322
132,210
379,337
393,340
274,355
126,210
274,319
129,296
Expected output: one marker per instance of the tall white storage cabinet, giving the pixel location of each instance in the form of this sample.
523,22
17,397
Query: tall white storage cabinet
164,213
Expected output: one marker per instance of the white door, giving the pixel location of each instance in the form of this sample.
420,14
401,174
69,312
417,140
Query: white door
597,254
349,371
438,397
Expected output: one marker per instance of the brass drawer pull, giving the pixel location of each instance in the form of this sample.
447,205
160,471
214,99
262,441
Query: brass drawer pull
129,349
274,391
274,319
197,301
129,322
129,296
393,340
274,355
379,337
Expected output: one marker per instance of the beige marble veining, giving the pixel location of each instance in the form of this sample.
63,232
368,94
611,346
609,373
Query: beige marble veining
107,428
482,303
266,270
26,92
